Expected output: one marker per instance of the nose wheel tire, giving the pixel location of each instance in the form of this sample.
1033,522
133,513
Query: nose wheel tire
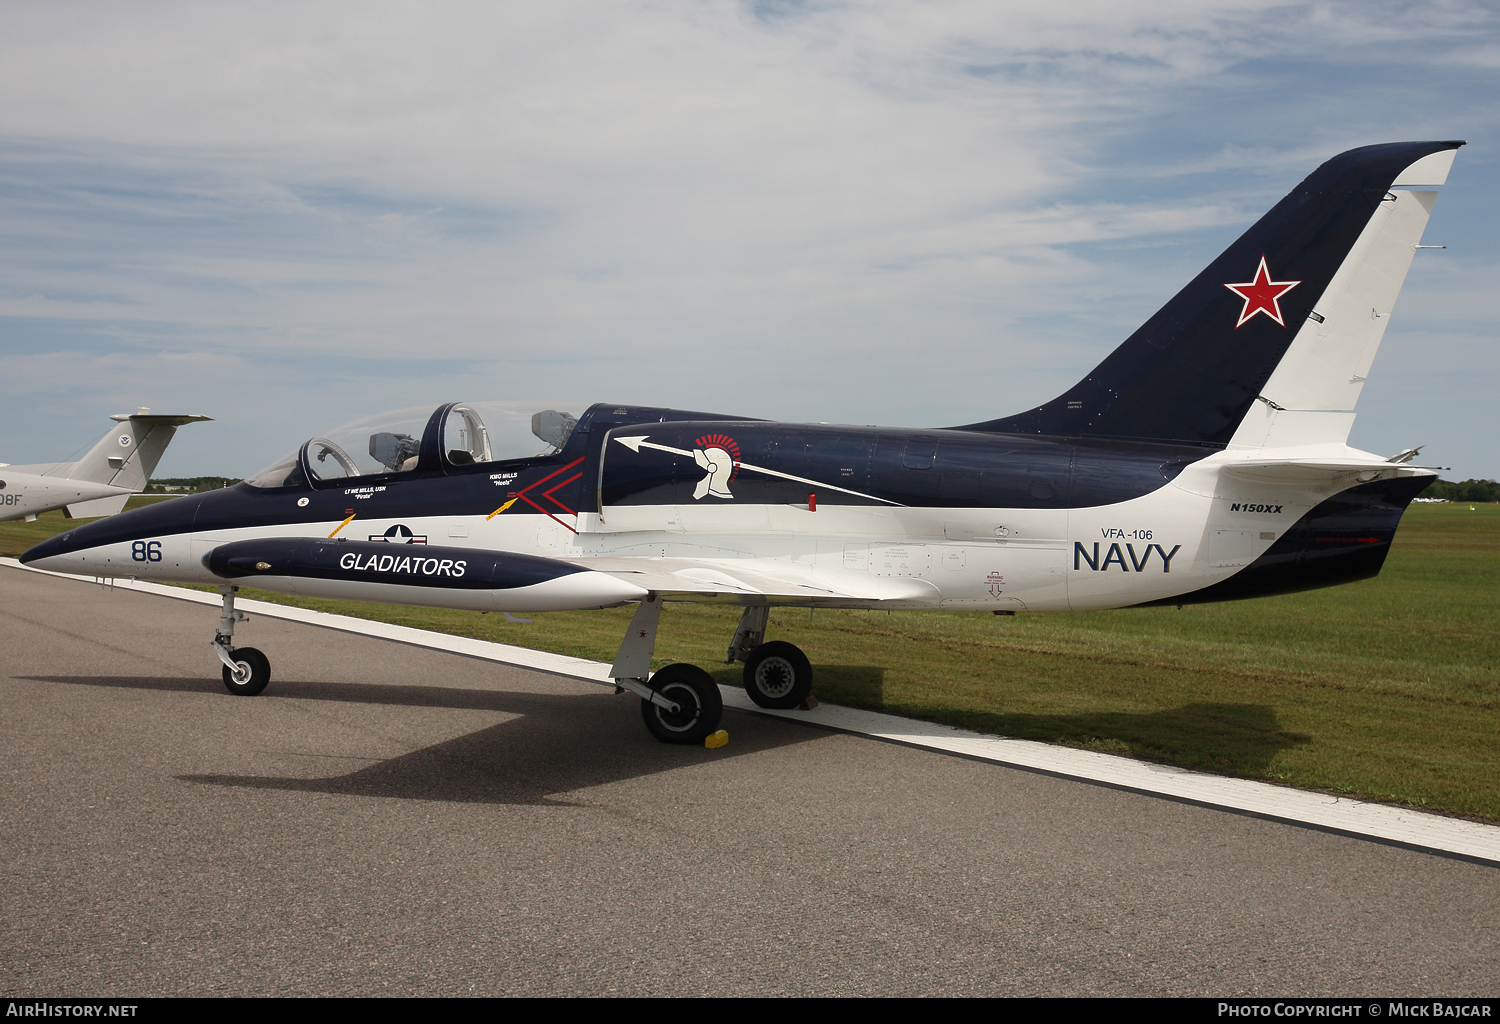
699,704
778,675
253,675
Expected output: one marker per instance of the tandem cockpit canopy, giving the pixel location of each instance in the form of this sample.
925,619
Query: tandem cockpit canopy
451,436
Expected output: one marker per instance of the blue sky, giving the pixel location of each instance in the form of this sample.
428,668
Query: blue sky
290,216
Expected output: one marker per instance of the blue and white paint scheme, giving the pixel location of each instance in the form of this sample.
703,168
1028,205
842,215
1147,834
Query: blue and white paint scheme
1205,459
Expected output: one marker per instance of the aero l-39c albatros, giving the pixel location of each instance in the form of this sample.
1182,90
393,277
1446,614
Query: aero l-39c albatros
1205,459
120,464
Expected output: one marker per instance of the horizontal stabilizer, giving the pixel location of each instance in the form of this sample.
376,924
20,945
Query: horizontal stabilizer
98,507
1311,471
155,419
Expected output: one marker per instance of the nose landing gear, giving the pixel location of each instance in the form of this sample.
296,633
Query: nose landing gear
251,673
246,670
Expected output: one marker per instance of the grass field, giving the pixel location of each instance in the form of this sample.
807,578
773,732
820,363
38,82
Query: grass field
1385,690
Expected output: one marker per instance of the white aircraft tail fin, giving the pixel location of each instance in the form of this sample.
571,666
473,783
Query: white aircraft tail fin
127,455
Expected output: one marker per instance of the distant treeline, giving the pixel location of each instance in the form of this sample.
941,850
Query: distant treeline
1468,490
188,484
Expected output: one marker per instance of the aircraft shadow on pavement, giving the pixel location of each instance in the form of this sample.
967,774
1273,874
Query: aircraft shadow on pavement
1242,738
561,743
558,743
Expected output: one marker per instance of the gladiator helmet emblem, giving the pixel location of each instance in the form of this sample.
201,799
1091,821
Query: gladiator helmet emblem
719,457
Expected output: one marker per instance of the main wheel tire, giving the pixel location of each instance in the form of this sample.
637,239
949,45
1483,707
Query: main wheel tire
778,675
698,698
257,672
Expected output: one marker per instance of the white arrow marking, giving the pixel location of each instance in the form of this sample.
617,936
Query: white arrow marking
635,444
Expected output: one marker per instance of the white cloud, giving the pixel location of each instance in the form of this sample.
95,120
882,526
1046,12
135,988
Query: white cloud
951,209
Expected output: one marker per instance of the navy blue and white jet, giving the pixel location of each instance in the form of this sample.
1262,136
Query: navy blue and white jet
1205,459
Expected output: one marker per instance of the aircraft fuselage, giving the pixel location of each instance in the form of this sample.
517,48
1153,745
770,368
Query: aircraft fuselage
859,516
30,494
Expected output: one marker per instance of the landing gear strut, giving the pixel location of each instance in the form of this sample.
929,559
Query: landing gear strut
246,670
777,674
680,703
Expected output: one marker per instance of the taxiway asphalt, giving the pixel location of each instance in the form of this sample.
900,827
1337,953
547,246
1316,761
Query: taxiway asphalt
388,819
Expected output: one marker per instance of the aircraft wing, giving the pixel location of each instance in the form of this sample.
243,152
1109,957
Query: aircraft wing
777,578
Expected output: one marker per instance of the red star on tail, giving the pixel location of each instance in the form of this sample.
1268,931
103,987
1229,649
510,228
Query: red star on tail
1262,295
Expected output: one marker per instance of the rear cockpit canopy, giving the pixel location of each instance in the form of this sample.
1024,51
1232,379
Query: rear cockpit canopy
448,437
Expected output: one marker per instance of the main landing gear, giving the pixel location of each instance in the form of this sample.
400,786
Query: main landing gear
680,703
777,674
246,670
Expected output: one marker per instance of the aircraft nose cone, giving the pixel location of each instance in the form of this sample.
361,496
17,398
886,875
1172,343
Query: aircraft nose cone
48,548
63,552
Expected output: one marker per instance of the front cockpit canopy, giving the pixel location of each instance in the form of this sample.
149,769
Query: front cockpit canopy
460,434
